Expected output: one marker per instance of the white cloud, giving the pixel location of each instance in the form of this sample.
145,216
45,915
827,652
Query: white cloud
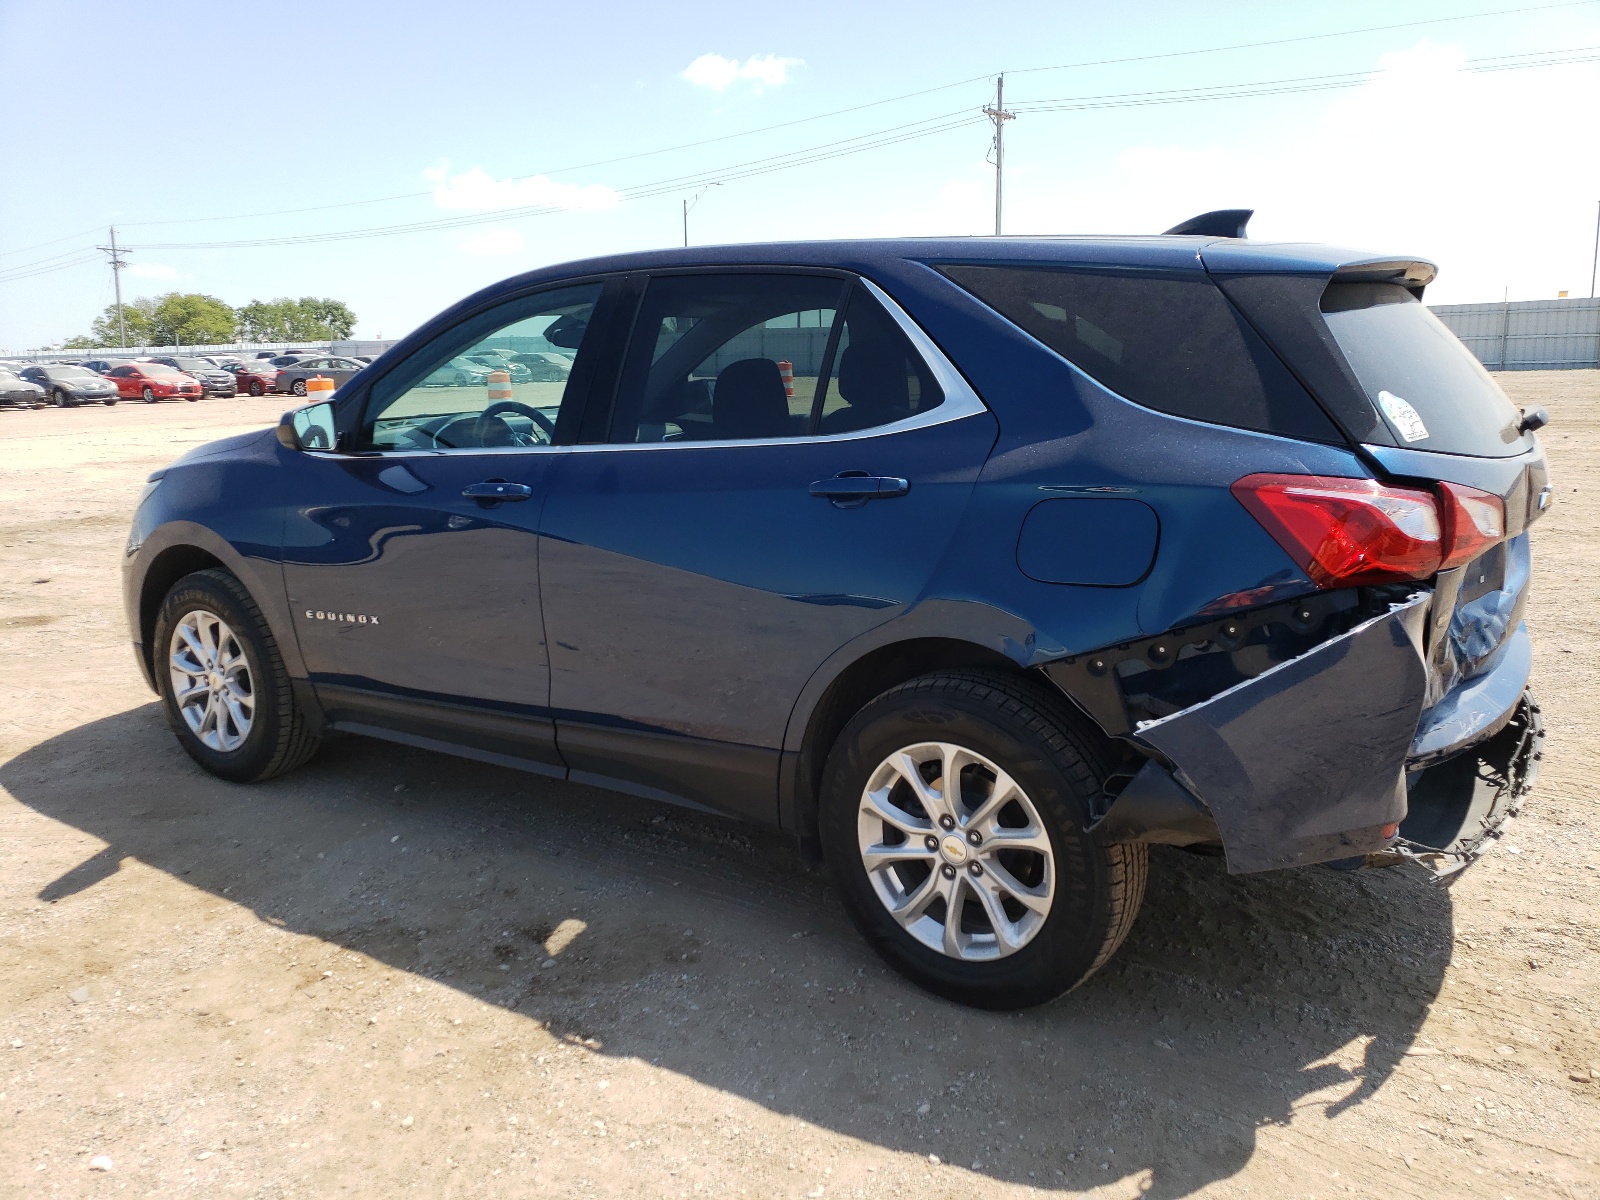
1412,162
152,271
493,243
718,73
478,191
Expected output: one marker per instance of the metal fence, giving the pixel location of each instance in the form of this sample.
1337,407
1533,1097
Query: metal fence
370,348
1528,335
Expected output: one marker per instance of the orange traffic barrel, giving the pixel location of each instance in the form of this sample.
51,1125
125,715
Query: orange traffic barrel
319,388
499,386
786,369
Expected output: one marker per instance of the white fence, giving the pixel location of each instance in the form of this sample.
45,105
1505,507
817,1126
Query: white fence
237,349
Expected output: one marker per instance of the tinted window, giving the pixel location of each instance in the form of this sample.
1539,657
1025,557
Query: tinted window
738,357
1428,387
877,378
438,399
70,373
1168,342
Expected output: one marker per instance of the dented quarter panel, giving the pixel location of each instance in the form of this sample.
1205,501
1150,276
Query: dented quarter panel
1306,762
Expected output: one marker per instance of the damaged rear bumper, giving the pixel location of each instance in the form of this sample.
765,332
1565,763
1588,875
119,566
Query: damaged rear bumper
1330,756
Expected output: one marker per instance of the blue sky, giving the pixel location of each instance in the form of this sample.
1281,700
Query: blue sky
163,117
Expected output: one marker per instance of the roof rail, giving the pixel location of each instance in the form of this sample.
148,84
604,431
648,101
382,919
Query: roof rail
1224,222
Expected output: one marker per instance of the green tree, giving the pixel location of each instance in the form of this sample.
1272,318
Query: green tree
81,342
304,320
136,316
190,319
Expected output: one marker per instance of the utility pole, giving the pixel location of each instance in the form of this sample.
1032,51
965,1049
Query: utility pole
999,116
689,203
117,263
1594,263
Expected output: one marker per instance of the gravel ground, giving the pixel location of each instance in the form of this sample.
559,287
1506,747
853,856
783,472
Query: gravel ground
396,972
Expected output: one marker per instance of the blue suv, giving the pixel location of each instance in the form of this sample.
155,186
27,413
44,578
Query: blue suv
979,565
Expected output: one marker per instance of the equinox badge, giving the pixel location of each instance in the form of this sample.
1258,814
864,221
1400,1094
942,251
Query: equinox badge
316,614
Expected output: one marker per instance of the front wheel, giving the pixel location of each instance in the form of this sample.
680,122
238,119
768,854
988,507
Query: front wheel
62,400
109,401
953,817
256,389
148,394
223,684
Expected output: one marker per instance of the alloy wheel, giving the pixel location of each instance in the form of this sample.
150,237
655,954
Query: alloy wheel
211,682
148,394
60,398
298,387
956,851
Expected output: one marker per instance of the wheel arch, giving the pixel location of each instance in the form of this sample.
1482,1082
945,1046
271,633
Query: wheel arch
854,684
165,569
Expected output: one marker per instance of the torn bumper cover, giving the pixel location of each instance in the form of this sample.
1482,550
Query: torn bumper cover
1316,759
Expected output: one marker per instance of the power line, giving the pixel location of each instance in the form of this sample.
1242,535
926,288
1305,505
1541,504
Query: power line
1087,63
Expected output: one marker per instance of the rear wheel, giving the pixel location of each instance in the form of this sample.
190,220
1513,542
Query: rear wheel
223,684
147,394
298,387
953,821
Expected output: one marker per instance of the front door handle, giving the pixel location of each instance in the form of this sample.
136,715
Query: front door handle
851,489
493,491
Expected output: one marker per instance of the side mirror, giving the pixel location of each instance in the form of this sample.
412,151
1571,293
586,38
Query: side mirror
309,428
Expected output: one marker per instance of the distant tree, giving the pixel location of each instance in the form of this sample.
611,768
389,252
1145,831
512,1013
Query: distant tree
307,319
136,315
330,319
190,319
265,321
81,342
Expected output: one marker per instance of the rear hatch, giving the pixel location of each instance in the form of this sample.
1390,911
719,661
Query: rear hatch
1424,412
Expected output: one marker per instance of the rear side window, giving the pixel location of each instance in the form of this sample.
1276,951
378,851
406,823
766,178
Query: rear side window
1168,342
1428,387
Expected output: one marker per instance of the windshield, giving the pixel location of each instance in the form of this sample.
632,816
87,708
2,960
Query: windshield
159,369
1429,388
72,373
193,364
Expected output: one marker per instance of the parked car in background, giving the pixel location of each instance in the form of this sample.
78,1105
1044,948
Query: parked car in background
257,378
103,366
290,357
294,375
1043,551
66,384
490,361
17,392
545,366
458,372
152,381
214,381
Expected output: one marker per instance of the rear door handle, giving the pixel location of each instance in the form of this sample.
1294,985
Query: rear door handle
494,490
855,489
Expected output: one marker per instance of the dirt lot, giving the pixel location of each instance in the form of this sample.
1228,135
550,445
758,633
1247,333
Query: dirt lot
395,972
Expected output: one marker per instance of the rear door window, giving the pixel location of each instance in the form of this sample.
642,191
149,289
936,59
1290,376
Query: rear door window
1429,388
1170,342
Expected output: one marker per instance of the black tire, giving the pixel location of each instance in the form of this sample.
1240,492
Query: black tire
279,738
61,399
1028,734
298,387
148,394
256,389
110,400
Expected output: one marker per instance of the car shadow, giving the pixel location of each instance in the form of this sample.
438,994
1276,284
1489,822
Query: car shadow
705,948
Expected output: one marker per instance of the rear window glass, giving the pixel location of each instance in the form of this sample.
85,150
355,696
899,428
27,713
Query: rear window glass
1429,388
1168,342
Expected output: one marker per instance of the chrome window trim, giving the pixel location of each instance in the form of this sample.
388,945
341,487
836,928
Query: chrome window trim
960,402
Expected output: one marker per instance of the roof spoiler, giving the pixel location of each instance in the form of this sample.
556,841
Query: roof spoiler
1223,223
1411,274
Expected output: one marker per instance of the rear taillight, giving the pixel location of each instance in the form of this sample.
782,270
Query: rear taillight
1345,532
1473,521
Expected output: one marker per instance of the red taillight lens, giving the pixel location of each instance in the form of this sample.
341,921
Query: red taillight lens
1473,521
1345,532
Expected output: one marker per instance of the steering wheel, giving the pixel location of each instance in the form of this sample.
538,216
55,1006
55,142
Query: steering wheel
504,406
